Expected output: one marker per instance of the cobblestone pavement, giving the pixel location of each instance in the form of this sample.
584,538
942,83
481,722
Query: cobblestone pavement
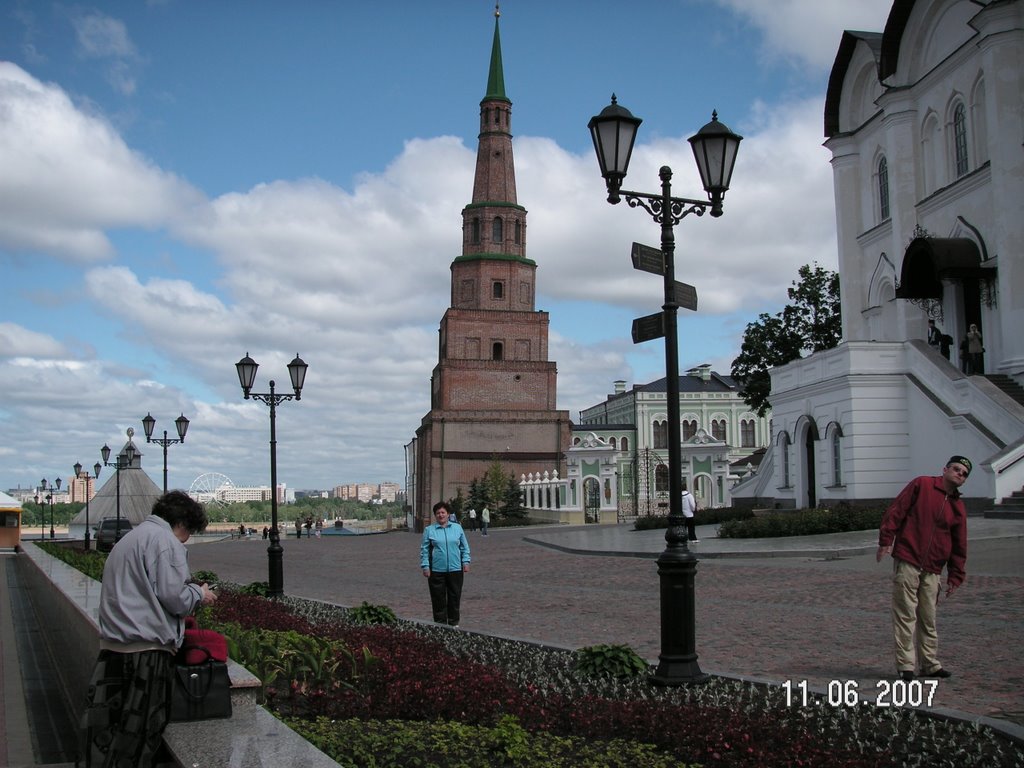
772,618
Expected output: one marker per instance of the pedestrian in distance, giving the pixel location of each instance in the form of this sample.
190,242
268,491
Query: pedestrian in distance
934,336
945,343
298,527
147,592
689,510
471,516
485,520
925,530
975,351
444,560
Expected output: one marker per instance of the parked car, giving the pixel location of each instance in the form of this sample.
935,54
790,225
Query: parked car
108,533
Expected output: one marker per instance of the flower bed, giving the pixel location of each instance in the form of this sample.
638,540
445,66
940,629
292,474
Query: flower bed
323,673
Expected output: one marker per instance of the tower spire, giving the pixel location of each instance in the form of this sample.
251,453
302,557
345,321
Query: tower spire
496,75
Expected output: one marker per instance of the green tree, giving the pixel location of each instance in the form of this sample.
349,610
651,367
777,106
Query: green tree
812,322
497,490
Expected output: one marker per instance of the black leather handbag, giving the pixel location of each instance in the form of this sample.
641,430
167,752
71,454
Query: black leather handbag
200,691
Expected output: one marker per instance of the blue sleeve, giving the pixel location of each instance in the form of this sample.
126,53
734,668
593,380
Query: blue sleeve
464,546
425,549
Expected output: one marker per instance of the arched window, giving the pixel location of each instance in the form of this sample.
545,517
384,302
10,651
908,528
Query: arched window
786,470
497,230
497,290
661,434
718,429
497,351
612,442
837,457
960,139
661,479
518,232
689,429
883,189
747,433
624,445
474,231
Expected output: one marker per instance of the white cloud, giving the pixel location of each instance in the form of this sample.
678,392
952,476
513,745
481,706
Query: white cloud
68,177
103,37
806,30
354,281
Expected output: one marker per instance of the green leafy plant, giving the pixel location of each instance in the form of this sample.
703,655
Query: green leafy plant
616,660
205,577
258,588
371,614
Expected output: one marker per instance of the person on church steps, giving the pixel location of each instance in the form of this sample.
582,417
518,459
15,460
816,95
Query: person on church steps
925,530
444,560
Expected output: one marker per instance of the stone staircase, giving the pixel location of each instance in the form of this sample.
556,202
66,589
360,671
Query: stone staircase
1009,508
1008,385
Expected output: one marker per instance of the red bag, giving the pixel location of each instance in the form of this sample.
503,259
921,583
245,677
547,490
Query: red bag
202,644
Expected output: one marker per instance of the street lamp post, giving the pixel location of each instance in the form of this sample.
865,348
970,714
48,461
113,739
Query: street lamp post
88,480
181,423
49,500
714,148
246,368
123,460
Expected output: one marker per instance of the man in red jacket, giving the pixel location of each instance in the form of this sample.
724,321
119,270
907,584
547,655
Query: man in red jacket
925,530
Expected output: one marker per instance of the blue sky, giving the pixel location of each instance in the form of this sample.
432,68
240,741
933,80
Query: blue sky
185,182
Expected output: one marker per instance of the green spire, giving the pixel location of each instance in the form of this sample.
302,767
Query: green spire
496,77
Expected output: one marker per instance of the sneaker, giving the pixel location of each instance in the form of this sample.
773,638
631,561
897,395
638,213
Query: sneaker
940,672
906,675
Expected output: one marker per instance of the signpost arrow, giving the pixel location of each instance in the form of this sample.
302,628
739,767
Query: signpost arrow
647,259
686,295
647,328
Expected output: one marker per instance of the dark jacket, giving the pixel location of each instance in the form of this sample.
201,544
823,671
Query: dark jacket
928,528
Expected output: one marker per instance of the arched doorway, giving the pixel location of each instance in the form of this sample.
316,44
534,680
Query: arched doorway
810,494
591,500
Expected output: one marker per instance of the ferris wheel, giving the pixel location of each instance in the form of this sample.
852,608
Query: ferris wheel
210,488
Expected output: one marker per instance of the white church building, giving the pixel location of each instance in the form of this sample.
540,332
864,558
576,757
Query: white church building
925,123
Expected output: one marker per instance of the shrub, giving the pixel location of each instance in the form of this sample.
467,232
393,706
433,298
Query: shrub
90,562
371,614
259,588
704,517
804,522
610,660
205,577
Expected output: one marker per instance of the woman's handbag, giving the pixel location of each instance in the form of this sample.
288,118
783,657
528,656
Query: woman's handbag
201,689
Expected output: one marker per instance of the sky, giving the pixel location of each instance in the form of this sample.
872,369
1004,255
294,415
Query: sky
184,182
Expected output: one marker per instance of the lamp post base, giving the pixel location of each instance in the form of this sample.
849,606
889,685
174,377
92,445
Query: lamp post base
275,562
677,570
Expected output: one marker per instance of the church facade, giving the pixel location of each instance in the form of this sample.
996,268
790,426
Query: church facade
925,124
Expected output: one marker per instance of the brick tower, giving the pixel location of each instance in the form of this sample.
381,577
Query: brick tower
493,388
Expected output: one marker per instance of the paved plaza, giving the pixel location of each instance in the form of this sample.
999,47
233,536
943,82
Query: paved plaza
814,608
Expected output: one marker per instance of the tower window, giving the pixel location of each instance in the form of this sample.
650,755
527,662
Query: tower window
497,290
474,231
518,232
497,230
497,351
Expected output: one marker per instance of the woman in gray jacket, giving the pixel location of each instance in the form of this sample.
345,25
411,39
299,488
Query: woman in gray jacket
147,593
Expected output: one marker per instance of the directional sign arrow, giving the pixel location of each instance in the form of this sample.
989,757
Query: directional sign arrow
647,259
647,328
686,295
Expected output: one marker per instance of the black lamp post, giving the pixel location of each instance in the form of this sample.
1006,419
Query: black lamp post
88,481
181,423
246,368
123,460
49,500
714,148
